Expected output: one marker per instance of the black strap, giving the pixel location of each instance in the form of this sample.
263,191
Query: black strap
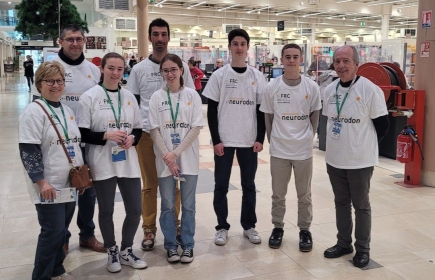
57,132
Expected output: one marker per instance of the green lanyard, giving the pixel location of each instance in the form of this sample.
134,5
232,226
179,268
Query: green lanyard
339,107
174,117
117,120
65,128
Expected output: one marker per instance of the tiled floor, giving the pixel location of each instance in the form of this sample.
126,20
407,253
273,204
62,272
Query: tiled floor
403,240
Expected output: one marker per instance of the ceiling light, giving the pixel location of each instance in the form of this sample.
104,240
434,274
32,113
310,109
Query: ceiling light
160,3
302,3
258,12
200,3
287,12
344,18
344,1
229,7
382,3
399,10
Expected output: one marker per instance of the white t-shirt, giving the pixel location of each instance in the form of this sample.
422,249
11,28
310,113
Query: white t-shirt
78,79
145,79
292,133
189,115
34,127
96,114
238,96
357,145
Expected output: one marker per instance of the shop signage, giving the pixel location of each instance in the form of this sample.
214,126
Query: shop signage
24,43
280,25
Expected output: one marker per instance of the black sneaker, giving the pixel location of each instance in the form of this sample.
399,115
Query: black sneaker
275,239
173,256
305,241
187,256
337,251
361,259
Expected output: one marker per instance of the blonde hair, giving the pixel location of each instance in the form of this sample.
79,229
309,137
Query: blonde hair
47,69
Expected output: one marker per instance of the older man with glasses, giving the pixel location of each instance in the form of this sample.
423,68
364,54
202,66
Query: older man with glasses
80,75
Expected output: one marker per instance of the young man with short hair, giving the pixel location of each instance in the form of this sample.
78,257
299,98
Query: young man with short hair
291,105
145,79
237,127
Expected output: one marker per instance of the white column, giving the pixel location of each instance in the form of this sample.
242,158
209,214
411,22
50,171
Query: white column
386,12
313,33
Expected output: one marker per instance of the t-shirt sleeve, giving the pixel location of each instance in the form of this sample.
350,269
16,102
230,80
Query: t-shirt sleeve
212,90
261,87
188,82
153,117
133,82
30,126
84,111
197,117
267,102
315,101
378,106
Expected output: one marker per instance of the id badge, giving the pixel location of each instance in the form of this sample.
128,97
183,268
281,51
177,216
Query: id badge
336,129
70,150
118,154
175,139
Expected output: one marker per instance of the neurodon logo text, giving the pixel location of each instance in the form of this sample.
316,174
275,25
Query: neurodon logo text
179,125
294,118
240,101
345,120
71,140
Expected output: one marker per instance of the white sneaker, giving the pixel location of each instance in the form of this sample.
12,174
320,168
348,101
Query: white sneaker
113,264
128,258
64,276
252,235
221,237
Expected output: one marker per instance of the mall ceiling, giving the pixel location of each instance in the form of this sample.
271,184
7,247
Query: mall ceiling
334,15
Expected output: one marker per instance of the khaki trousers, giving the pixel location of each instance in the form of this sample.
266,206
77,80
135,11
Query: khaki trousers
147,163
281,173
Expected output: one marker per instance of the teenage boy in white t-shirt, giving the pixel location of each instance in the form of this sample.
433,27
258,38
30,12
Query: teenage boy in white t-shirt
291,105
237,127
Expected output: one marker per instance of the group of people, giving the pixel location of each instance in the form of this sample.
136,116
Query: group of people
150,129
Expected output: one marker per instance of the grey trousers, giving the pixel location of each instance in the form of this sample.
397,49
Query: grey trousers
130,189
281,170
352,187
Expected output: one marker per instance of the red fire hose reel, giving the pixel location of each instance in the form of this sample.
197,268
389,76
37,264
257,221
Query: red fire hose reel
401,102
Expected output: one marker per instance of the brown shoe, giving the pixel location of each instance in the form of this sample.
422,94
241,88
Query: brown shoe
93,244
148,240
65,249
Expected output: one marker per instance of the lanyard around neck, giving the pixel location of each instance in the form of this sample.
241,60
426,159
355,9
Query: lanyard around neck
117,120
65,128
337,103
174,117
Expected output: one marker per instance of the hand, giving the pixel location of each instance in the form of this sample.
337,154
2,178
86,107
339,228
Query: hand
219,149
170,158
258,147
127,143
116,136
46,190
174,169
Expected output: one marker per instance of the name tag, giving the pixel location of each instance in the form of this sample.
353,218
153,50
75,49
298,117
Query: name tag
118,154
336,130
175,139
70,150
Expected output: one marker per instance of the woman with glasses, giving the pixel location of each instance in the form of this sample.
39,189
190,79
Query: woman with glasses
48,167
175,119
111,124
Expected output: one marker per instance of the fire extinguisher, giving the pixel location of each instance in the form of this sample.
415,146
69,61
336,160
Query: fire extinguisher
404,144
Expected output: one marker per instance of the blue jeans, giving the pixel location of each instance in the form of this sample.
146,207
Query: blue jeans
248,167
168,222
53,219
85,216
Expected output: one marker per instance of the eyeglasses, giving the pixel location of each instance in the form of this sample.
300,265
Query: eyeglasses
172,71
79,40
51,82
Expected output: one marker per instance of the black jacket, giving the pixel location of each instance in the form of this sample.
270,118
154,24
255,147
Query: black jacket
28,68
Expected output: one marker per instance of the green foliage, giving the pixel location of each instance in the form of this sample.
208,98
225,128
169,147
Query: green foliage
41,17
